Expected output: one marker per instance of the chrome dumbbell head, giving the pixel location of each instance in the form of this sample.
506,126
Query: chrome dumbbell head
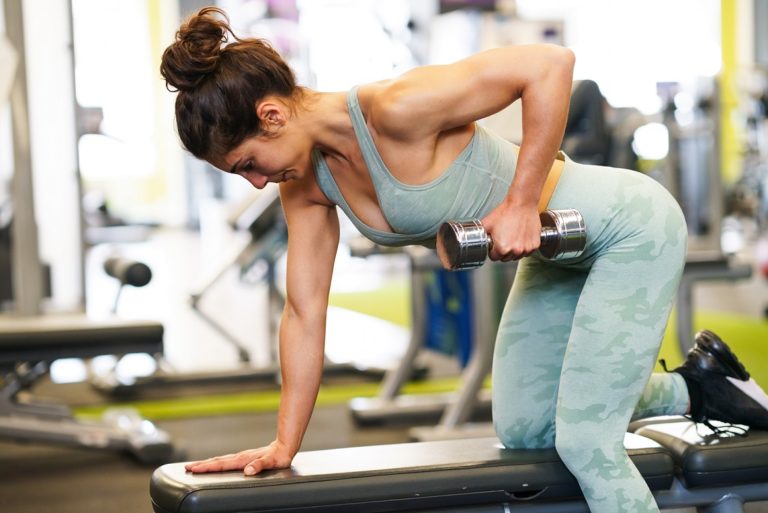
462,244
563,234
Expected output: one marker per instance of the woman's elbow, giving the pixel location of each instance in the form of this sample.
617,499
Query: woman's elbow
304,313
562,58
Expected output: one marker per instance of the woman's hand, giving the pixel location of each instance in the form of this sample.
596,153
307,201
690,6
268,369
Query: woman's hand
251,461
515,230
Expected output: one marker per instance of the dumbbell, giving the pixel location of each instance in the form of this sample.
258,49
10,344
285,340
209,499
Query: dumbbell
465,244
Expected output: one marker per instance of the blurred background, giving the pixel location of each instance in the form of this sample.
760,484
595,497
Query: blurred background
676,90
101,135
91,169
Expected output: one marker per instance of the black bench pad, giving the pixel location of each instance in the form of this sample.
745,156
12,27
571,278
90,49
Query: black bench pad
392,478
50,337
705,459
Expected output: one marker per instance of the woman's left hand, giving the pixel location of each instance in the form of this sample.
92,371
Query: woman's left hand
515,231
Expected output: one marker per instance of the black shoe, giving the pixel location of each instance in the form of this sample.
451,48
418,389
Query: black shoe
720,387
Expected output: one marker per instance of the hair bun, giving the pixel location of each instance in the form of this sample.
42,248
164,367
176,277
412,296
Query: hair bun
195,52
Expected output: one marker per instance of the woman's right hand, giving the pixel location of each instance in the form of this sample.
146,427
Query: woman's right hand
251,461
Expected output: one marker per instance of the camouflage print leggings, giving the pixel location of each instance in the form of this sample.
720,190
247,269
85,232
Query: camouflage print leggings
578,339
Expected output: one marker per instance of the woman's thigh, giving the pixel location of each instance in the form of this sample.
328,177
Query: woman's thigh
528,358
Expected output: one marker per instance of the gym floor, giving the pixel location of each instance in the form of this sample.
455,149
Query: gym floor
203,420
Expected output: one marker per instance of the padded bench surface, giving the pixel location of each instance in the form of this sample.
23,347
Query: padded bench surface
704,459
49,337
391,478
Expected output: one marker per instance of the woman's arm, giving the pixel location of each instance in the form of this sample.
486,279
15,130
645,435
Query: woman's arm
312,244
432,99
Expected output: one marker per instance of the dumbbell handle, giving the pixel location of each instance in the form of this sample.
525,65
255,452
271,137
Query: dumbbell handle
466,244
548,234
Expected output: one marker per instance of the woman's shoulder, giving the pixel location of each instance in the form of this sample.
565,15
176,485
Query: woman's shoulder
393,108
304,192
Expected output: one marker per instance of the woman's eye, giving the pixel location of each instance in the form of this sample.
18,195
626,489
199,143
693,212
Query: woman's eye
248,166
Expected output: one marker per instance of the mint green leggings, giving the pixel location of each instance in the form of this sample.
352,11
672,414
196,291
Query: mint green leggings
579,338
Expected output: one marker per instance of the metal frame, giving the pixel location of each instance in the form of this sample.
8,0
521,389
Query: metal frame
25,255
453,409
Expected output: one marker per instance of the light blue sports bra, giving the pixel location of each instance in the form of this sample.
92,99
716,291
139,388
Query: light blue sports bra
473,184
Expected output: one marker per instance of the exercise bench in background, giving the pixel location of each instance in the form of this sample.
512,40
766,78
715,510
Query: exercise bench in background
29,344
720,472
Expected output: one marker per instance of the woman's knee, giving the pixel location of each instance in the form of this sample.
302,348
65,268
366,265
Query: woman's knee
570,446
573,443
524,432
584,450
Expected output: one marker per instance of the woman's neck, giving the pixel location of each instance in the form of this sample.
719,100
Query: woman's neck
325,117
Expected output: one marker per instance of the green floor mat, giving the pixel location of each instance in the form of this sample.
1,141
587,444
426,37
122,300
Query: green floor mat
747,337
256,402
392,302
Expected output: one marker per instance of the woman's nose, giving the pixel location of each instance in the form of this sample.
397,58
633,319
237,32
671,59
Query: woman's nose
257,180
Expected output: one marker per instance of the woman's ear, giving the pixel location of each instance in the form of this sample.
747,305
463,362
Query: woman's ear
271,114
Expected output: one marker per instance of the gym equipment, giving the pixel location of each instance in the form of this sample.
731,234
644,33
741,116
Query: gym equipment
587,138
28,280
705,458
131,272
262,216
6,274
29,344
398,477
472,475
702,266
455,410
127,272
449,410
257,260
465,244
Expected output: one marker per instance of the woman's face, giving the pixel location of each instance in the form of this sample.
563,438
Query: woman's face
279,155
263,159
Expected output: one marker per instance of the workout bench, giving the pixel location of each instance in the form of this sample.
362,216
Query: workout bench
473,475
29,344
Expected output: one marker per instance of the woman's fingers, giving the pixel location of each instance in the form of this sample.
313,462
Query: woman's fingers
266,461
223,463
216,465
208,461
251,462
515,231
254,467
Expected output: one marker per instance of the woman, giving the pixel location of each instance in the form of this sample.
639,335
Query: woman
578,338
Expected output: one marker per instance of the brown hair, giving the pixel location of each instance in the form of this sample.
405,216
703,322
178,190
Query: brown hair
219,82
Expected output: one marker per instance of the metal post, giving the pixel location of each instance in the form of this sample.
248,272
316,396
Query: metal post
25,257
484,323
83,247
729,504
